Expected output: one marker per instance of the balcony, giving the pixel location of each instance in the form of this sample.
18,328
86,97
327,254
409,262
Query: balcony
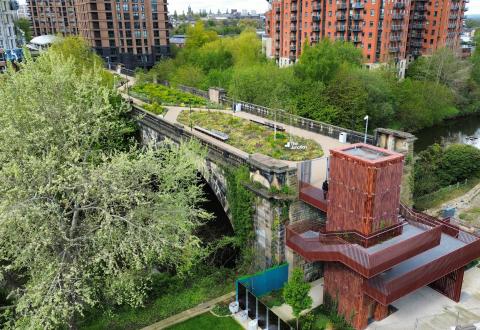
420,8
416,44
341,6
357,28
395,38
340,28
341,17
316,28
277,10
399,5
453,17
294,8
293,18
316,7
293,48
419,17
452,26
418,26
394,49
293,37
357,17
396,27
316,18
357,40
293,28
358,5
397,16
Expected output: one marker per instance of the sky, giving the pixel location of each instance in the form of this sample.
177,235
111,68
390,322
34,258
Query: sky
258,5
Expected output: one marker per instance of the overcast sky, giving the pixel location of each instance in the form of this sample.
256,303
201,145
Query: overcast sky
258,5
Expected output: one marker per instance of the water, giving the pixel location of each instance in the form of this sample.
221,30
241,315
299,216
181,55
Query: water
458,130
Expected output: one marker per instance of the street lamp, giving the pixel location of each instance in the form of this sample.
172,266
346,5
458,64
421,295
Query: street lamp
366,128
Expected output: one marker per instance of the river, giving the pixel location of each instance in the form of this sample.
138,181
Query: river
457,130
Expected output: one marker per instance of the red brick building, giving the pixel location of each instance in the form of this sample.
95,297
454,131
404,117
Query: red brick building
134,33
386,31
375,250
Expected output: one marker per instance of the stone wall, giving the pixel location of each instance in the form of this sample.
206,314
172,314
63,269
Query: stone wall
268,176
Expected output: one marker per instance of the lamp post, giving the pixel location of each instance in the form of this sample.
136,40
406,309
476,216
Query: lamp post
366,128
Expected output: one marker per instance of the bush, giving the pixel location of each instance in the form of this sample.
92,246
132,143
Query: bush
437,168
168,96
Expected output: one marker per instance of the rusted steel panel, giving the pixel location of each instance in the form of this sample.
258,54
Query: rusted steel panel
343,289
309,239
450,285
364,195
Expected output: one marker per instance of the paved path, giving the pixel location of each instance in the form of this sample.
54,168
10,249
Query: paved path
188,314
426,309
326,142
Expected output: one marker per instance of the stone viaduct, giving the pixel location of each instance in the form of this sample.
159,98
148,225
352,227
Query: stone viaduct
272,210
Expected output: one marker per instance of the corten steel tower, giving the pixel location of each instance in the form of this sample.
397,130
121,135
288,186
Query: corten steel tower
131,32
380,28
374,249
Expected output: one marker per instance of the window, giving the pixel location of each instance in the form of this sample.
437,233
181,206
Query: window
370,35
372,12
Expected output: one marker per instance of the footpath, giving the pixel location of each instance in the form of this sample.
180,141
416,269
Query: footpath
188,314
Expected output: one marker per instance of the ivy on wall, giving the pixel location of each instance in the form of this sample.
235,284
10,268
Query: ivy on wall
240,201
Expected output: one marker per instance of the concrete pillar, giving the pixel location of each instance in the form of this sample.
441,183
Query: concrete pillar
215,95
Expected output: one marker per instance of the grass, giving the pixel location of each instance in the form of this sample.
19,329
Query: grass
208,321
274,298
170,296
167,96
251,137
471,215
444,195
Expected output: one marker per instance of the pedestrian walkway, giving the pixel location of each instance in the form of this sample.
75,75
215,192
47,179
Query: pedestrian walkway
188,314
326,142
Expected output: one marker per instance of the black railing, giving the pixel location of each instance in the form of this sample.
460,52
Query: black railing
285,117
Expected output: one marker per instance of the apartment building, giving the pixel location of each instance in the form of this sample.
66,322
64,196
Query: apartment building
131,32
8,11
435,25
385,30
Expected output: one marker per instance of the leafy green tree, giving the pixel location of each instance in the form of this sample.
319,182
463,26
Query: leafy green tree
349,96
422,104
85,214
323,60
296,293
426,170
24,25
197,36
459,162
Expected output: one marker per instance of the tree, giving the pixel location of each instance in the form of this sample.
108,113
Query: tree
421,104
348,95
323,60
85,214
296,293
24,25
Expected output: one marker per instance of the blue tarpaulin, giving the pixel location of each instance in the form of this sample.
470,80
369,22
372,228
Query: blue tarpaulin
11,54
266,281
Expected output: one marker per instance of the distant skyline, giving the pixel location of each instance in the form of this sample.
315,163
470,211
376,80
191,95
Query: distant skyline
259,5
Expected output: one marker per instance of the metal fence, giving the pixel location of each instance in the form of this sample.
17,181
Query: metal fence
297,121
194,91
257,310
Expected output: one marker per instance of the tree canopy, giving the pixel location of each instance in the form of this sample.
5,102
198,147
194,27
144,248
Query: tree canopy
85,213
328,83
